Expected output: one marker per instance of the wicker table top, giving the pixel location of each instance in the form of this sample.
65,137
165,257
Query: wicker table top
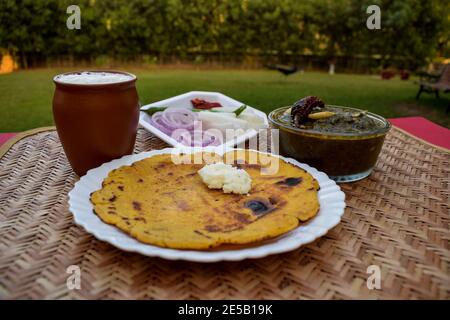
397,219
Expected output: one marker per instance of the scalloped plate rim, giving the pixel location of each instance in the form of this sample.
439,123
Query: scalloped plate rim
306,233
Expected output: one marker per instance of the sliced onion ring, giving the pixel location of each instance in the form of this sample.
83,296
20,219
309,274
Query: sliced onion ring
179,118
183,126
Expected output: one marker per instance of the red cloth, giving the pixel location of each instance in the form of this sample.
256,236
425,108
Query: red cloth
5,137
424,129
418,126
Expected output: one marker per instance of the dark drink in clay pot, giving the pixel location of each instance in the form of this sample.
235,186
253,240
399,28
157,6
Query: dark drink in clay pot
96,115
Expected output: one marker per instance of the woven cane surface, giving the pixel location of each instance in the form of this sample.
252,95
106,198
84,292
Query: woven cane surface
397,219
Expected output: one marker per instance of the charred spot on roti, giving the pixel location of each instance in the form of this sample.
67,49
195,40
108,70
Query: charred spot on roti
112,199
227,228
120,188
242,218
137,205
231,227
140,219
183,205
212,228
140,180
259,207
161,165
255,166
240,164
273,200
202,234
291,181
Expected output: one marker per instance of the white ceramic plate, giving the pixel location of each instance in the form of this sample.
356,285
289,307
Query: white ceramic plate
184,100
331,199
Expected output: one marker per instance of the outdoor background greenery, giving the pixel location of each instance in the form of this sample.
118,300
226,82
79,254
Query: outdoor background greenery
413,31
151,34
26,96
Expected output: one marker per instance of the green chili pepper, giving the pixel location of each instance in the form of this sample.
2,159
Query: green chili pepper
239,110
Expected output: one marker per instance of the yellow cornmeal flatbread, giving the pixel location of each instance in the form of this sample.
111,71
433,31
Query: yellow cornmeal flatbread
166,204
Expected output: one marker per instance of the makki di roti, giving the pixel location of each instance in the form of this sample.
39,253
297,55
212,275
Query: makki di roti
166,204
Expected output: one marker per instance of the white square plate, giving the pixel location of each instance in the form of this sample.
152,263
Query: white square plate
184,101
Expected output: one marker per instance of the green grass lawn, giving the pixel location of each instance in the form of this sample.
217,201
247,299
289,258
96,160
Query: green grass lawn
26,96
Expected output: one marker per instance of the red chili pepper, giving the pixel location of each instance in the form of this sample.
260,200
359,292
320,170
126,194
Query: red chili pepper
204,105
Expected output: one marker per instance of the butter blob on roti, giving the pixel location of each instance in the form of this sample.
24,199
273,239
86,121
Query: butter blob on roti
226,177
166,204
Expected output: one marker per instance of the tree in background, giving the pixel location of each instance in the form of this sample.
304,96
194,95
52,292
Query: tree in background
26,26
410,31
413,31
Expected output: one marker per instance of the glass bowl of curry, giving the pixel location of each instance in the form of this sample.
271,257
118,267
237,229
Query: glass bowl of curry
344,145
